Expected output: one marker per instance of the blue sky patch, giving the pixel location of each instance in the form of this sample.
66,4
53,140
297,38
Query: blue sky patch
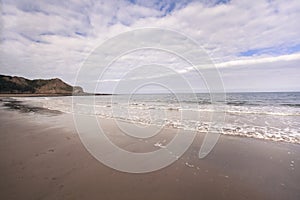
80,34
274,51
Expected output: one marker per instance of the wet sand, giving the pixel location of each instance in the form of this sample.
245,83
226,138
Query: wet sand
42,157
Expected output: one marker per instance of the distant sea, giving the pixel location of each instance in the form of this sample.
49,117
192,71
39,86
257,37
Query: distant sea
271,115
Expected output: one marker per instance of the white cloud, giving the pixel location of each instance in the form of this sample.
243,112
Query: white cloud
42,39
263,60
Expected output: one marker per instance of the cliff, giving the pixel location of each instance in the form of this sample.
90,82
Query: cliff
20,85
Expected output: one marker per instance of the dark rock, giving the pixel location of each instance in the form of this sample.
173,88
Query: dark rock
20,85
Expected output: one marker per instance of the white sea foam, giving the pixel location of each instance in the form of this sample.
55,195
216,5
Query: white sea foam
160,145
269,122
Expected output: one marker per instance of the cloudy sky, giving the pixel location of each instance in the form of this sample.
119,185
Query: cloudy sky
255,45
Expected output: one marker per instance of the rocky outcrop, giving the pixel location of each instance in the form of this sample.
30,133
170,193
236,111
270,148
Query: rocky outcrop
20,85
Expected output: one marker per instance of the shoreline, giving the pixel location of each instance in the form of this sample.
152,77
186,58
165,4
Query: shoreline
25,106
49,95
42,157
33,95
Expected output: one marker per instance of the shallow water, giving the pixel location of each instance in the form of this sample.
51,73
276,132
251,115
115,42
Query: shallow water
272,116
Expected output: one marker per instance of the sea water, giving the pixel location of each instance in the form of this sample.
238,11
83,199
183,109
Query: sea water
271,115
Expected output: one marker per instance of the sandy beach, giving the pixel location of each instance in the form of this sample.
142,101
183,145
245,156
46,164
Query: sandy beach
42,157
150,100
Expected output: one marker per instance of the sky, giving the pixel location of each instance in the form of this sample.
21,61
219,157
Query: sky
254,45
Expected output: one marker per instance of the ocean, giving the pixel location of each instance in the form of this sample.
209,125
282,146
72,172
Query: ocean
267,115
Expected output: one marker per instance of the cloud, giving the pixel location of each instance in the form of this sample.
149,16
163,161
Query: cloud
43,39
263,60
